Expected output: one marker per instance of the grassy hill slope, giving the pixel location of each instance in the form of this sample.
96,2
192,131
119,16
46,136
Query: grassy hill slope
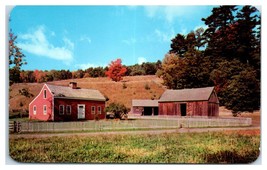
132,87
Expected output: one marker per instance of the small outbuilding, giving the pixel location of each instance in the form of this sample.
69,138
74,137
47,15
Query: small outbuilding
145,107
189,102
63,103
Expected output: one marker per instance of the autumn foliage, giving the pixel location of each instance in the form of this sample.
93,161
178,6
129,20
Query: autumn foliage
115,70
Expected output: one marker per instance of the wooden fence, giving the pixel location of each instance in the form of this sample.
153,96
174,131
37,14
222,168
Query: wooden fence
144,123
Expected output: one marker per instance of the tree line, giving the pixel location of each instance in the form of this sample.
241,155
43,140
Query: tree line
39,76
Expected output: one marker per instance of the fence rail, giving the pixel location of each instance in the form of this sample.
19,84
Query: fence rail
145,123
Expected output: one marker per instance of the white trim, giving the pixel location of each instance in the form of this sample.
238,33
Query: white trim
67,109
34,113
45,110
92,109
41,92
59,109
99,112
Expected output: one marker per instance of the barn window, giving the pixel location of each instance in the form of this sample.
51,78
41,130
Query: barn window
68,109
44,94
34,110
99,109
44,110
61,109
93,109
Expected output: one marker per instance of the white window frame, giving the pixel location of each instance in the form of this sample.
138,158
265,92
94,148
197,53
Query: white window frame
92,111
34,110
99,109
60,109
45,94
67,110
44,109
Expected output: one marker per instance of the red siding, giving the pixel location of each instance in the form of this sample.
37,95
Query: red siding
195,108
39,102
74,109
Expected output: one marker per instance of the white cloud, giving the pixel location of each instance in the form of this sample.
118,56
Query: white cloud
87,65
169,13
141,60
37,43
164,36
130,41
85,38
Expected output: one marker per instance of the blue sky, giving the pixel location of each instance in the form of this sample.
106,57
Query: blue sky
78,37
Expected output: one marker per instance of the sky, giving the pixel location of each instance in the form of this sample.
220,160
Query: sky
78,37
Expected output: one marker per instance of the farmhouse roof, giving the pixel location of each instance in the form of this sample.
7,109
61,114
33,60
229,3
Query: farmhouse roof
145,103
195,94
69,93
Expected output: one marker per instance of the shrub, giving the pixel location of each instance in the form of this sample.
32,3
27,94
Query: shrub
119,110
124,86
147,87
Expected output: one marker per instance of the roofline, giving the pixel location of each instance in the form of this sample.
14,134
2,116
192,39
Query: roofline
79,98
164,101
41,92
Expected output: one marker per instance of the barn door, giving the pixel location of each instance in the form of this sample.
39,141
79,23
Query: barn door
81,111
183,109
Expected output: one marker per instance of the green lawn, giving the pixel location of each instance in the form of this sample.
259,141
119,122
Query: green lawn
208,147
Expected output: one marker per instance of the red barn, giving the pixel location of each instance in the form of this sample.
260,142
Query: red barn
189,102
61,103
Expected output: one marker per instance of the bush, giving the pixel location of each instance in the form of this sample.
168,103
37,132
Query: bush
124,86
147,87
119,110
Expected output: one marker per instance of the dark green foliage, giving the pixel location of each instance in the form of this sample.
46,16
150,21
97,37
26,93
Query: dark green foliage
119,110
16,59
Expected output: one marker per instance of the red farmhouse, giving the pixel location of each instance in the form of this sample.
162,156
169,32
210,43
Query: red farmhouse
61,103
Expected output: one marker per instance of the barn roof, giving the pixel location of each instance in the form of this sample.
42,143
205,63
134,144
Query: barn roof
69,93
145,103
195,94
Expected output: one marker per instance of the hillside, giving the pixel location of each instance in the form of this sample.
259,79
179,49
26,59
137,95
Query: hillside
136,87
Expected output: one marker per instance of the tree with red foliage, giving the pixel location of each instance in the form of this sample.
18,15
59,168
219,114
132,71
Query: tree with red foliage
115,70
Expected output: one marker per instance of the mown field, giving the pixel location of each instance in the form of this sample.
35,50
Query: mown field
210,147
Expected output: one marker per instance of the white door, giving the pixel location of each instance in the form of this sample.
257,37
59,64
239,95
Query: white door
81,111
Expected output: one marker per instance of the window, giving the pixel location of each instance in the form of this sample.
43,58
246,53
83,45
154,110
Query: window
93,109
34,110
44,110
99,109
44,94
61,109
68,109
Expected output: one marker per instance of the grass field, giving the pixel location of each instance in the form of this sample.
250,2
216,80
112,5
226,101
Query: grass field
209,147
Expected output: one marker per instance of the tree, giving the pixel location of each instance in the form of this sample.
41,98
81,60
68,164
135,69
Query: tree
190,71
16,59
115,70
217,34
119,110
178,45
243,92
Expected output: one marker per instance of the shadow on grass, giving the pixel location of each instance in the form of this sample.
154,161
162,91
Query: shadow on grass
232,157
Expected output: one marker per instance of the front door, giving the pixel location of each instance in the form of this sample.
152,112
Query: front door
81,111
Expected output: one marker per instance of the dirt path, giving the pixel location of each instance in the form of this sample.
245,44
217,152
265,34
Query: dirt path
182,130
